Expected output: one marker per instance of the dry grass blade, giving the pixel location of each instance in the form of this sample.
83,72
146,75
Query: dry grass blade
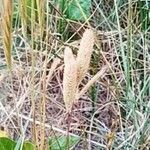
69,79
94,79
23,12
52,69
40,9
84,54
6,28
1,77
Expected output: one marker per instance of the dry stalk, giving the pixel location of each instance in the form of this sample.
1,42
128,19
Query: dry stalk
41,14
6,28
84,54
69,79
55,63
23,14
90,83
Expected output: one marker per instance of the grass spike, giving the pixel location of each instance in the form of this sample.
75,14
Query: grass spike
84,54
69,79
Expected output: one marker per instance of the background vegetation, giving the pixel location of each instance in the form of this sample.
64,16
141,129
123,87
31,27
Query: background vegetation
113,114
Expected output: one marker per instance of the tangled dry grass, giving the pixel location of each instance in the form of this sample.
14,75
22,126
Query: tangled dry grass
17,100
107,114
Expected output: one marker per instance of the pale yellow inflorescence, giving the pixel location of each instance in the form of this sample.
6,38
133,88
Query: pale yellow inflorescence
84,54
69,79
75,70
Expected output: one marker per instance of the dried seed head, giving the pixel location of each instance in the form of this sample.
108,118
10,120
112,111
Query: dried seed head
84,54
69,79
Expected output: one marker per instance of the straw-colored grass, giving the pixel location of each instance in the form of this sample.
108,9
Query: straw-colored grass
7,27
41,15
91,82
113,107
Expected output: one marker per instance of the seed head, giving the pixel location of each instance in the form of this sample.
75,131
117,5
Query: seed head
84,54
69,79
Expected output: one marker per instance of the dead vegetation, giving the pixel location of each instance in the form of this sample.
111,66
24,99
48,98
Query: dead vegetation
92,71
